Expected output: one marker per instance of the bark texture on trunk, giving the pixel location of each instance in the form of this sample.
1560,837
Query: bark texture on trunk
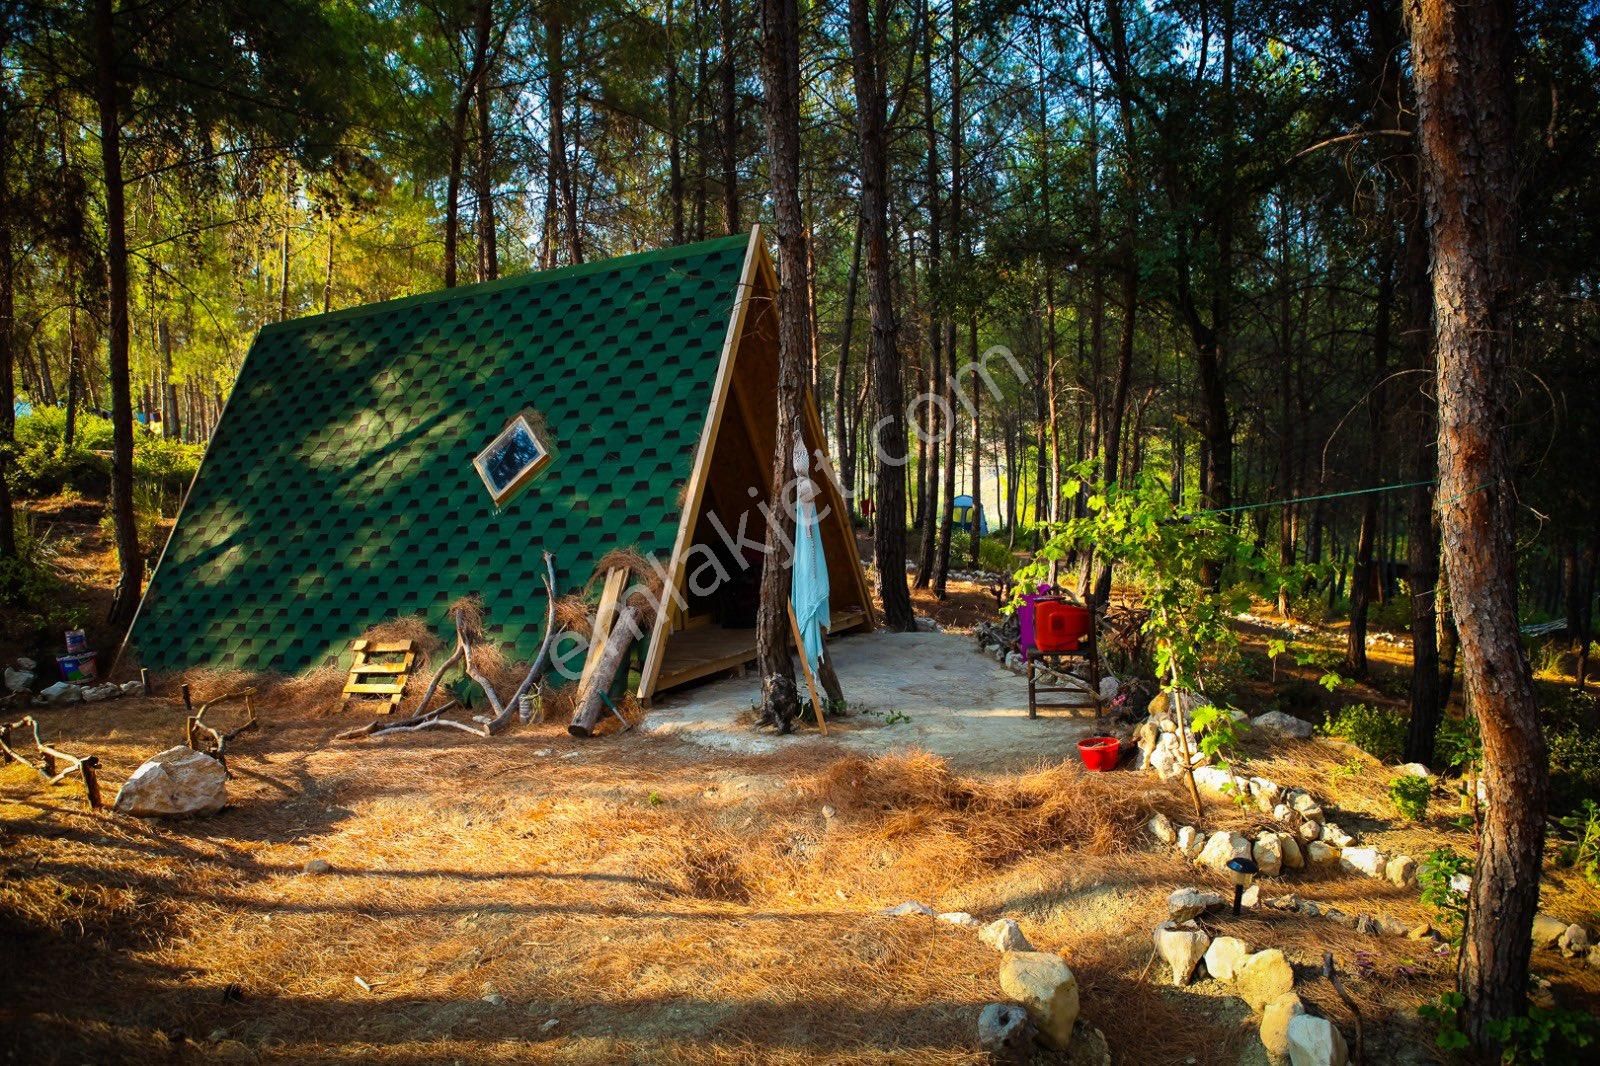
730,122
488,250
130,562
1461,54
889,431
780,72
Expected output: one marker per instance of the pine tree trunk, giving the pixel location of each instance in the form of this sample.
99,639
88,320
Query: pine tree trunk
941,569
488,248
129,561
730,126
889,434
173,428
780,71
1462,57
8,388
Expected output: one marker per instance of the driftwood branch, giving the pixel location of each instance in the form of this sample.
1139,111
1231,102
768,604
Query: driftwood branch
1338,986
541,663
421,720
502,714
86,766
195,725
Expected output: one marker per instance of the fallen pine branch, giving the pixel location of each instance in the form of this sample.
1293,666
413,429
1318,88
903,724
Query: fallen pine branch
541,662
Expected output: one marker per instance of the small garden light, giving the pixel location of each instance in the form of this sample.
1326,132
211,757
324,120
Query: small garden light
1244,875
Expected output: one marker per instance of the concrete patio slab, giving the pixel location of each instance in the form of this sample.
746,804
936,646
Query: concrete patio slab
938,690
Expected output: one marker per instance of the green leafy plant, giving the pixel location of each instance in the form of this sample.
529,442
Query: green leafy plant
1436,876
896,718
1348,768
1574,765
993,555
1582,827
1378,731
1552,1034
1219,734
1409,794
1457,744
1445,1014
1175,558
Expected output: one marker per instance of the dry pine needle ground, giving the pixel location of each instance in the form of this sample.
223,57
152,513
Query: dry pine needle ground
659,902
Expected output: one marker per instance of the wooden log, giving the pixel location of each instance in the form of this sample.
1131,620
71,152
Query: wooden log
830,681
612,656
805,666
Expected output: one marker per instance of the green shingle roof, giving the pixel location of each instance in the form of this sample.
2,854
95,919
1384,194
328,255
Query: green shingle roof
339,489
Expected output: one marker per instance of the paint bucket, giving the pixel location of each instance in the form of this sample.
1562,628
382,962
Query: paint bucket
76,642
1100,754
78,669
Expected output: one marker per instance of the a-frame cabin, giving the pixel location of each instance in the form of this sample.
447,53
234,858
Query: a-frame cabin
385,460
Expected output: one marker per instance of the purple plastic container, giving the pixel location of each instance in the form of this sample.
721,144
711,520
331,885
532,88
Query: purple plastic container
1025,615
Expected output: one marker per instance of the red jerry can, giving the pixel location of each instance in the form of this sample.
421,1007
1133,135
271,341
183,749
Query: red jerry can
1061,627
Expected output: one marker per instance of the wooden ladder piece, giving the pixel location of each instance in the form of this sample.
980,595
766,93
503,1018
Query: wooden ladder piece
373,676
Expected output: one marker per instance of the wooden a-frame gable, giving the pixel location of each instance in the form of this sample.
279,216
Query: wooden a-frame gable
735,450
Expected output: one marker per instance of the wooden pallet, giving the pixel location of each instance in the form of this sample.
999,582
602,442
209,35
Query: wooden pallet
375,672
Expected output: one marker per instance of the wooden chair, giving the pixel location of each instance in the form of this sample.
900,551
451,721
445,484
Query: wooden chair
1088,651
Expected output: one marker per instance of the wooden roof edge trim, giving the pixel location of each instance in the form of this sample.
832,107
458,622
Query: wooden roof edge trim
699,471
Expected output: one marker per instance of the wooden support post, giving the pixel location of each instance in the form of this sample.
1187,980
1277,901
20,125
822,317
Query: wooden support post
90,768
144,679
805,665
188,705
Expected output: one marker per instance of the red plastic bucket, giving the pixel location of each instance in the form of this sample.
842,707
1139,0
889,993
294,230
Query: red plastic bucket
1100,753
1059,626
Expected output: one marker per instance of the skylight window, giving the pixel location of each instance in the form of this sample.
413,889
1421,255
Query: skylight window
513,458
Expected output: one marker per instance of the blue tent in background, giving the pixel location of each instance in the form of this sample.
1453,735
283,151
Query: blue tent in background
21,409
961,516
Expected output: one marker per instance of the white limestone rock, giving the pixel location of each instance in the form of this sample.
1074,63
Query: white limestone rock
1289,848
1332,834
1005,1034
1316,1042
1574,941
1281,724
1045,986
1268,853
1004,934
178,782
1187,903
1263,977
1160,827
1320,854
61,692
1224,956
1275,1021
1401,871
1215,781
1190,843
1368,861
1182,949
909,907
1223,846
1547,931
